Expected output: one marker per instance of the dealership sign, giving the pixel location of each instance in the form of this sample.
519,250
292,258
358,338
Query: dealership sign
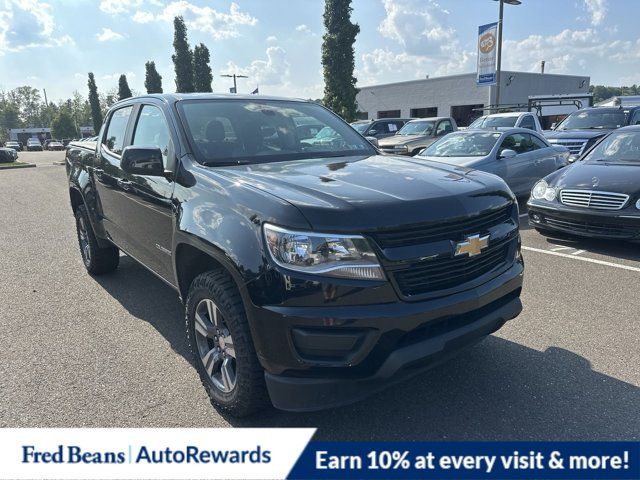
487,43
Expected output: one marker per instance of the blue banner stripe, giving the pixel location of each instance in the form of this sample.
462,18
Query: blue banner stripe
469,460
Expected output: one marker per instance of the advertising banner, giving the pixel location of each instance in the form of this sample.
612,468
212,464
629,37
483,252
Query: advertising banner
487,54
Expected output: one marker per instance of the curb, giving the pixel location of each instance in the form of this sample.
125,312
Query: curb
13,167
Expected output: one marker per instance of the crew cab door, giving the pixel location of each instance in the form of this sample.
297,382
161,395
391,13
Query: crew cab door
148,217
108,177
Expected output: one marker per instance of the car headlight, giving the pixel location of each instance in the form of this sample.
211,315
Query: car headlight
638,204
401,148
543,190
341,256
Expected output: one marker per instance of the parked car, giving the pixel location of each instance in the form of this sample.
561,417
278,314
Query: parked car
382,128
54,145
311,273
583,128
517,155
8,155
33,144
509,120
17,146
597,196
417,134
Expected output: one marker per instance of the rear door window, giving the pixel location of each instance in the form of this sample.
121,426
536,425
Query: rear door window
117,129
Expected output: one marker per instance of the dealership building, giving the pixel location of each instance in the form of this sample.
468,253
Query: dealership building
458,96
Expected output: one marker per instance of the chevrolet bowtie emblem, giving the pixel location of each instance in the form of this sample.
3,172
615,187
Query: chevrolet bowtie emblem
473,245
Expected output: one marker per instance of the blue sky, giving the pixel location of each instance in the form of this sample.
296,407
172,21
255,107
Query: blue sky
53,44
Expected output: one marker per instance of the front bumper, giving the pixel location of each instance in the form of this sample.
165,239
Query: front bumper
617,224
343,354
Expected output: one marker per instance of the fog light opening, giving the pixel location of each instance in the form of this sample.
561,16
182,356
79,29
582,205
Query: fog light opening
536,218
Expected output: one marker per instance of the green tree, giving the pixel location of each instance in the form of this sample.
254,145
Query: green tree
338,59
29,103
152,79
182,58
123,88
202,76
63,125
94,102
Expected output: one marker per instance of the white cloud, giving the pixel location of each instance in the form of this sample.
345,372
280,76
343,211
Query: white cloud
114,7
142,16
116,76
418,25
28,24
597,9
218,24
108,35
272,39
305,29
272,71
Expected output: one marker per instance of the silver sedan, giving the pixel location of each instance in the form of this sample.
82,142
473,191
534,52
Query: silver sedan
519,156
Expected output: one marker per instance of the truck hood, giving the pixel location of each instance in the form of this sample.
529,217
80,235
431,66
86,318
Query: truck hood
575,134
607,177
354,194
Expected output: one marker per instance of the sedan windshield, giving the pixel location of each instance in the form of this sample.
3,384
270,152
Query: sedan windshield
225,132
463,144
619,147
417,128
593,119
360,127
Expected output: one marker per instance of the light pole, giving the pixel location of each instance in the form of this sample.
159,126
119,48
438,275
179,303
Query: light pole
235,83
499,60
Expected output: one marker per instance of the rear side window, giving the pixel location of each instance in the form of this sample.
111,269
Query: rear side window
114,139
528,122
537,142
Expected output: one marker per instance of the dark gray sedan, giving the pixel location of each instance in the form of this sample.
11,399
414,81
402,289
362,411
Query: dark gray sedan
517,155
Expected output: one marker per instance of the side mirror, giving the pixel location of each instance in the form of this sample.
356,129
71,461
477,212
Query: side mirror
142,161
371,133
553,125
373,141
507,153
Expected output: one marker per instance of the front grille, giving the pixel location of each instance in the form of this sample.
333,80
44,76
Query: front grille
575,146
591,199
454,230
596,228
440,274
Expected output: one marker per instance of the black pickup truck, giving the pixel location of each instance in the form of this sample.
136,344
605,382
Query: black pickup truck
312,274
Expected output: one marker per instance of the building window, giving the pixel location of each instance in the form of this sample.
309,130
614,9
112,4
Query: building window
464,115
389,114
363,115
424,112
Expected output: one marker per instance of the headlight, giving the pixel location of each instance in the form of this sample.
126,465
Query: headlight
638,204
539,189
401,148
543,190
342,256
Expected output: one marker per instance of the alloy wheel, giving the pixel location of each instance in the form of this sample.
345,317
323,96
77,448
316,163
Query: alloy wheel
215,346
83,236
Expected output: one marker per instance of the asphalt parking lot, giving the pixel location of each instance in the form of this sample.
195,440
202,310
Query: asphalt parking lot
77,351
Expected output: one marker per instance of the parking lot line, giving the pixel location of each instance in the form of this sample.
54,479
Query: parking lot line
590,260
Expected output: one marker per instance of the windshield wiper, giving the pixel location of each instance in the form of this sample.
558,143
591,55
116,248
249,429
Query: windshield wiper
226,163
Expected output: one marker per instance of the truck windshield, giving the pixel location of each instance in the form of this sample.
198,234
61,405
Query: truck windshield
494,122
417,128
593,119
464,144
232,131
360,127
619,147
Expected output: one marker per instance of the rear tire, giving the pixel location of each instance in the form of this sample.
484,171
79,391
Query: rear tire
220,342
97,260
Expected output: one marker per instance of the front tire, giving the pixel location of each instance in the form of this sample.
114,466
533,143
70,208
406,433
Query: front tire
97,260
221,345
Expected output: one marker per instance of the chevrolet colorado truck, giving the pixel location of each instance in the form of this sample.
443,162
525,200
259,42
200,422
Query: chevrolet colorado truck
312,274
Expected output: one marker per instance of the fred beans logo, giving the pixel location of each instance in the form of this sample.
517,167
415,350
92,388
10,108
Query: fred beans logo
487,42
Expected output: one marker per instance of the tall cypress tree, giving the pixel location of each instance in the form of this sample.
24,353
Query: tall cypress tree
152,79
202,76
123,88
94,102
338,59
182,58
